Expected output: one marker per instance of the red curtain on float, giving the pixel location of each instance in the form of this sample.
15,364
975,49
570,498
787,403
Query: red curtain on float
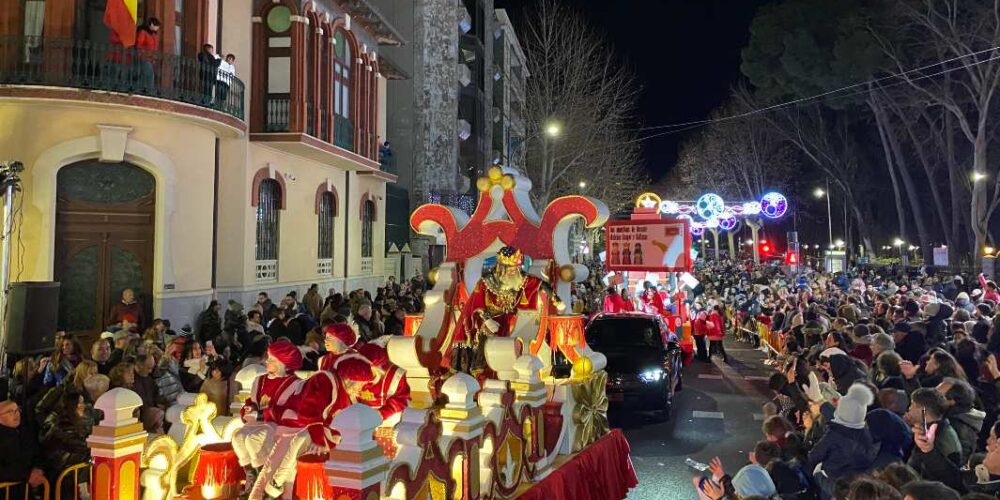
601,471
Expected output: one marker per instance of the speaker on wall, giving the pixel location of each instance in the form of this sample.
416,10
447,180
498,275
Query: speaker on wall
32,315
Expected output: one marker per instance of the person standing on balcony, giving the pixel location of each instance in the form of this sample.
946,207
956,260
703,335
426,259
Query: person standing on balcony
146,44
209,63
224,78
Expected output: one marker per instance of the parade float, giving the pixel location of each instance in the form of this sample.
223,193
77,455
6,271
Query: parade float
505,398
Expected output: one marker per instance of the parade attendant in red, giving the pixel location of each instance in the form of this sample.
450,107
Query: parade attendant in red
388,393
273,400
651,299
613,302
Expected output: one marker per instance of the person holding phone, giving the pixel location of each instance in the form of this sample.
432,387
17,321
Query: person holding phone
938,450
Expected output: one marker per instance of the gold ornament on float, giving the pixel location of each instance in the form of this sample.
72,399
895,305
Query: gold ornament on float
567,274
583,367
591,412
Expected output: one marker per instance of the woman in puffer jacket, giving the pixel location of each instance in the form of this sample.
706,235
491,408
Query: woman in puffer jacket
167,374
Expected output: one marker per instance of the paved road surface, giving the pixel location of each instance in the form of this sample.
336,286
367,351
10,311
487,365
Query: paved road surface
718,413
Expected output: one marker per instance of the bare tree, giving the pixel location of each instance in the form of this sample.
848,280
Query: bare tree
739,159
581,89
964,33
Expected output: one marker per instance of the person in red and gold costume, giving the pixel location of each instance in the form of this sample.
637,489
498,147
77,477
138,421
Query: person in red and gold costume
272,399
388,393
492,309
342,357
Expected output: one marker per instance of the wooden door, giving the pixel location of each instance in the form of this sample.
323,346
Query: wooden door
104,241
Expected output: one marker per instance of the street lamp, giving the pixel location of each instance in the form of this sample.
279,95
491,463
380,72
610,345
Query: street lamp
839,243
820,193
897,242
552,129
978,176
583,184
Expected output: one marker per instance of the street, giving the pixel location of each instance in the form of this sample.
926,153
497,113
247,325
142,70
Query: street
718,413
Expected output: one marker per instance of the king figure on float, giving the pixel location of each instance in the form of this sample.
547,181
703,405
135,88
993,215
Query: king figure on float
492,308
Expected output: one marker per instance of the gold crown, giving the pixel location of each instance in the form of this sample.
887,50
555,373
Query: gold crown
510,256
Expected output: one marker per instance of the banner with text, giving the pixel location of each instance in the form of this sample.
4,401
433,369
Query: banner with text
662,245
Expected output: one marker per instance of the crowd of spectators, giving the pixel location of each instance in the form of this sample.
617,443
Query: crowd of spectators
886,385
49,411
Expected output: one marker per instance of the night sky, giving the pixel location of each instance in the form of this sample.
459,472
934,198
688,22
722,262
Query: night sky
686,54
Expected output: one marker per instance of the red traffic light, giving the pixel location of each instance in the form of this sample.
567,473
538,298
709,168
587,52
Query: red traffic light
765,248
791,258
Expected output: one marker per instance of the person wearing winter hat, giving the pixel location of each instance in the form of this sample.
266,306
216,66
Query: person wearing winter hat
938,450
962,301
846,449
342,358
268,404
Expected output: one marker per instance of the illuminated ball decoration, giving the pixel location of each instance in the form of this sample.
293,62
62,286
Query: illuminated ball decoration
697,231
710,205
712,223
728,223
773,205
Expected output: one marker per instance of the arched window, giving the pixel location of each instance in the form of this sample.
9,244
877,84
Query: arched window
327,209
367,229
268,215
343,127
278,81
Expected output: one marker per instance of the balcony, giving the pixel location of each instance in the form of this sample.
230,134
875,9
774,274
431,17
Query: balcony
266,271
82,64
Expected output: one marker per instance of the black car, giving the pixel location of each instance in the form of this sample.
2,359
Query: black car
644,360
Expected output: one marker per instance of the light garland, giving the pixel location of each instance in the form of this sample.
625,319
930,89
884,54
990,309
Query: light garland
710,210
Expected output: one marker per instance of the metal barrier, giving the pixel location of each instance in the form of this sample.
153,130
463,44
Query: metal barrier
75,469
5,489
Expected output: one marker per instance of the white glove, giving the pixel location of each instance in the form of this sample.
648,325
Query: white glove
491,326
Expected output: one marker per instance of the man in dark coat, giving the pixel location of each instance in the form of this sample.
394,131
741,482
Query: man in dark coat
209,324
20,453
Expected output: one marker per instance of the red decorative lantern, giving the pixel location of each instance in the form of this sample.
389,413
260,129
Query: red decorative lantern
411,324
218,474
310,481
567,334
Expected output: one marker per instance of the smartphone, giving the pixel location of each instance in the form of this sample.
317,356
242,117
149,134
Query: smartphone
923,419
694,464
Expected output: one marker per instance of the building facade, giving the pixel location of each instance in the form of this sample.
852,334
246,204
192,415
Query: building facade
156,171
456,105
510,74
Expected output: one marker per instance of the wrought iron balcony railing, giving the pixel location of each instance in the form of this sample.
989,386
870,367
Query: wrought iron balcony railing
83,64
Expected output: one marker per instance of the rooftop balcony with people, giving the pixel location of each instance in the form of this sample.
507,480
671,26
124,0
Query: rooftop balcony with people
67,53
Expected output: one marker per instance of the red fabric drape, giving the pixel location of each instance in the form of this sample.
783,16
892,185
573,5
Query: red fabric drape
602,471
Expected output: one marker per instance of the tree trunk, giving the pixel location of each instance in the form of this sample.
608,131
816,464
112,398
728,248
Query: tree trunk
887,151
911,190
954,180
979,219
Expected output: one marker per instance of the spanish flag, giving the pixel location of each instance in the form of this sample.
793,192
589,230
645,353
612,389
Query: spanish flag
120,16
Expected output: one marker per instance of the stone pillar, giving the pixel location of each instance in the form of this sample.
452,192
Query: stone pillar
435,103
462,419
357,466
116,446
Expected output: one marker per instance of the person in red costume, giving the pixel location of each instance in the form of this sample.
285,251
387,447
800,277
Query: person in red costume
342,357
493,306
651,300
613,302
271,402
388,393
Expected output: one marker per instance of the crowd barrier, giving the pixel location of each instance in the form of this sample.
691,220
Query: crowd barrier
11,490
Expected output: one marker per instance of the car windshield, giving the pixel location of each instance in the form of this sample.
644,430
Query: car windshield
624,333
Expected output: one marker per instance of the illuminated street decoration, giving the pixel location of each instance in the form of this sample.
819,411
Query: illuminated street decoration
773,205
711,211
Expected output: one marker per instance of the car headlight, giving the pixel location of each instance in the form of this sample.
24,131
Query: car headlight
654,375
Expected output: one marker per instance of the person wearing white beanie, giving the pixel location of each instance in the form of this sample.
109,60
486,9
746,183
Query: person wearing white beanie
846,449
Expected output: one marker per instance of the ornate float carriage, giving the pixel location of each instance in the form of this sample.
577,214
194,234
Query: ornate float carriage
507,399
